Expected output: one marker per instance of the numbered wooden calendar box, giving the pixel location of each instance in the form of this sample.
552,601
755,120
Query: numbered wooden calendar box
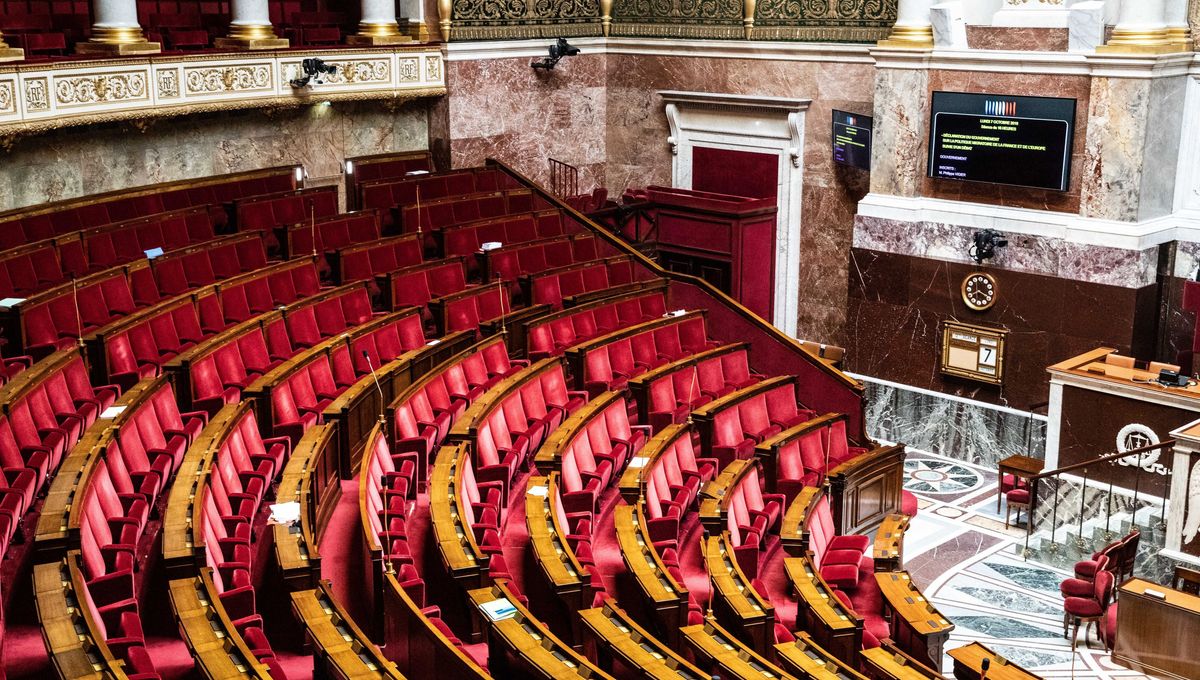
973,352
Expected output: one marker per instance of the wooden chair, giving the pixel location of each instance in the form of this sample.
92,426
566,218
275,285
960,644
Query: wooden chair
1118,360
1187,580
1158,366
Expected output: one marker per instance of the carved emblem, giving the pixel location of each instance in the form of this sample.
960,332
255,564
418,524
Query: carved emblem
408,71
168,84
7,104
37,95
433,68
95,89
228,79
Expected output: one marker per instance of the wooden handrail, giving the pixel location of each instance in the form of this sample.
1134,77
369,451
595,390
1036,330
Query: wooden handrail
1103,459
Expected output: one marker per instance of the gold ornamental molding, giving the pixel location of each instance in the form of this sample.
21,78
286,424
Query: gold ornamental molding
35,98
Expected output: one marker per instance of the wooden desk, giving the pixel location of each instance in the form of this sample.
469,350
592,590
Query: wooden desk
889,543
836,628
1157,636
536,652
714,647
1019,466
557,562
615,634
968,664
886,662
746,612
338,644
917,627
661,594
793,529
804,657
631,479
712,509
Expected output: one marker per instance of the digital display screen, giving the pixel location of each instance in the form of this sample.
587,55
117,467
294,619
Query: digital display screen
852,139
1021,141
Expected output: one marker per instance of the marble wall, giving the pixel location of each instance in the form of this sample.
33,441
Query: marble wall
502,108
638,155
95,159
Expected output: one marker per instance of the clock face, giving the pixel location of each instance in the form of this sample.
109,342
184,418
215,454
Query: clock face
979,291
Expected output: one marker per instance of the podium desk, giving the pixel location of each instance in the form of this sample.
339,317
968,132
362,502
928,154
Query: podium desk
1157,636
968,665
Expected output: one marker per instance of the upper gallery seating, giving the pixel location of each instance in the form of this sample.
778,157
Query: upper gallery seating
268,213
382,167
24,225
609,361
553,334
670,392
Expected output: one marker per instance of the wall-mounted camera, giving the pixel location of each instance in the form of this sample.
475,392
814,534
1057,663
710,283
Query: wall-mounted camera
315,72
558,50
985,244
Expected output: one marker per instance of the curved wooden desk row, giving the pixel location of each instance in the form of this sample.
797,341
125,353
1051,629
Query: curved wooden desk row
339,645
310,479
547,536
460,554
742,610
77,649
917,626
664,597
834,626
614,635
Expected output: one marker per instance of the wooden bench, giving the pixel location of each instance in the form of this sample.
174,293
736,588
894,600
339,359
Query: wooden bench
917,627
615,635
75,645
522,646
804,657
742,610
340,647
834,626
218,649
662,595
714,647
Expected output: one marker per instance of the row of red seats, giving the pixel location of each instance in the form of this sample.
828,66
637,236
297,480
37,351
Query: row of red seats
551,287
129,240
242,472
383,168
387,193
268,213
609,366
842,561
745,418
225,367
24,225
578,539
555,334
424,417
55,318
137,349
418,285
509,434
107,560
390,486
468,238
41,424
367,261
298,401
330,233
594,459
446,212
152,440
804,456
673,477
674,390
469,309
509,263
751,519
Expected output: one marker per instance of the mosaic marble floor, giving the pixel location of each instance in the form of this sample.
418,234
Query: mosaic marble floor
958,550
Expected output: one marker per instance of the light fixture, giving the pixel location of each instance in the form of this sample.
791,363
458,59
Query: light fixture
984,245
349,167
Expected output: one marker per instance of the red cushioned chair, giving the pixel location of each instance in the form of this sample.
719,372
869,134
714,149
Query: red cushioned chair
1017,500
1090,609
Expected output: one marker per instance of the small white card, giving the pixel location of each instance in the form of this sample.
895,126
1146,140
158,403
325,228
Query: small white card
112,412
540,491
498,610
153,253
412,173
434,342
490,245
285,513
11,302
638,461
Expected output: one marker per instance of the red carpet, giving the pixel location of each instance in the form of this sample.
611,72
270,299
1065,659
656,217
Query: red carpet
341,551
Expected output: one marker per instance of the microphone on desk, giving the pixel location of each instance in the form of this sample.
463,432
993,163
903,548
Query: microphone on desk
379,389
984,666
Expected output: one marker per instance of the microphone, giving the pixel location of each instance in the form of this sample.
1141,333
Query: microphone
985,665
379,389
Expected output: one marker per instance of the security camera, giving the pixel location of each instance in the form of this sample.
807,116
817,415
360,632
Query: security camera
985,244
315,71
561,48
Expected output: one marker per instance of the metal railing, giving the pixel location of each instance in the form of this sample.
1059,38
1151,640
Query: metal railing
1081,469
564,179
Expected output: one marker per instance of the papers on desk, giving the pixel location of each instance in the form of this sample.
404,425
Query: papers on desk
285,513
11,302
112,412
490,245
638,461
539,491
414,173
153,253
498,610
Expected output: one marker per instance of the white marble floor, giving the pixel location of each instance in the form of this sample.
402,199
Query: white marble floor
971,568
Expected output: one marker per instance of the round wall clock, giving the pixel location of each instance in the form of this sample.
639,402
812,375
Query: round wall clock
979,291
